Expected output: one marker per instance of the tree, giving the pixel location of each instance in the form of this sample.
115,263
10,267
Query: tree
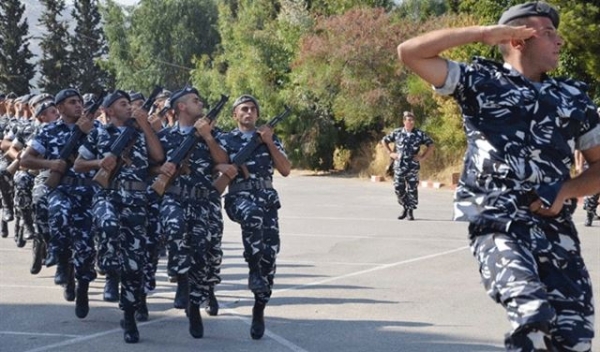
159,41
89,45
15,69
55,65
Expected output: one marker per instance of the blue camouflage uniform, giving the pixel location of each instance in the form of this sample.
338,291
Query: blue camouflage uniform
406,168
120,211
521,142
186,212
23,180
69,212
253,203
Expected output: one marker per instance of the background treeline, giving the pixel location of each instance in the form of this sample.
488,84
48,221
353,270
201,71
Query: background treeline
333,61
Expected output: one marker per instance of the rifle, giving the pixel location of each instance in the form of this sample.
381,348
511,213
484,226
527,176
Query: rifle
184,150
65,153
246,152
126,138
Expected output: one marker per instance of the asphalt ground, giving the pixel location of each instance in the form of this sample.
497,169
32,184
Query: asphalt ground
351,277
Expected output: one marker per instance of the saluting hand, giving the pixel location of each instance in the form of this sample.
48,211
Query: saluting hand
498,34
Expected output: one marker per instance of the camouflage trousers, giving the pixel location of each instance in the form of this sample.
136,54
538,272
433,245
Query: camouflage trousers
590,203
154,242
406,187
540,279
40,211
121,220
70,222
23,183
188,229
215,252
7,189
259,220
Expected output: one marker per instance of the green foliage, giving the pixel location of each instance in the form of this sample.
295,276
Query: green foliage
158,41
55,64
89,45
15,69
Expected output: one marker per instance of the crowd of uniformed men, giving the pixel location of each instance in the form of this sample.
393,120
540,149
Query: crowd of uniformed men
120,229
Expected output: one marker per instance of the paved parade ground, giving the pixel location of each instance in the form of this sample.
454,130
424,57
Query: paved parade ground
351,277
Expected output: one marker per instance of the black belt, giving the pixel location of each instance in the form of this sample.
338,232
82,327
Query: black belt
129,185
75,181
250,185
189,192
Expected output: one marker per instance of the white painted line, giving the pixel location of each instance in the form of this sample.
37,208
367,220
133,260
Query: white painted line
377,268
36,334
32,286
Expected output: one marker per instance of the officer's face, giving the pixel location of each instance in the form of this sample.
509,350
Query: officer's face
409,123
137,104
541,51
246,114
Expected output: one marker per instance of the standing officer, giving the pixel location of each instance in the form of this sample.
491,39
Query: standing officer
406,155
120,212
516,190
590,203
69,215
253,202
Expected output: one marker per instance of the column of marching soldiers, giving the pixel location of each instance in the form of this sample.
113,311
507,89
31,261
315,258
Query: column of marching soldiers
107,184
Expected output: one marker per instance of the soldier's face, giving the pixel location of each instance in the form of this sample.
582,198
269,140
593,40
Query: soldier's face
137,104
121,110
49,115
246,114
409,123
71,107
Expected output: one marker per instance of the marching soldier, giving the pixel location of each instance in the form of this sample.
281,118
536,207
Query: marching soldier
120,211
71,245
186,207
253,202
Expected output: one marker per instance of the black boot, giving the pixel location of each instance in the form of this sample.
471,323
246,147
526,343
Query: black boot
141,314
257,329
37,250
410,215
61,277
212,307
52,258
183,292
589,218
82,306
111,286
196,327
403,215
4,229
69,293
130,331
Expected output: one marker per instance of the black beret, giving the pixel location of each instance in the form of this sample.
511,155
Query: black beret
42,107
11,95
65,94
180,93
535,8
244,99
114,96
136,96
